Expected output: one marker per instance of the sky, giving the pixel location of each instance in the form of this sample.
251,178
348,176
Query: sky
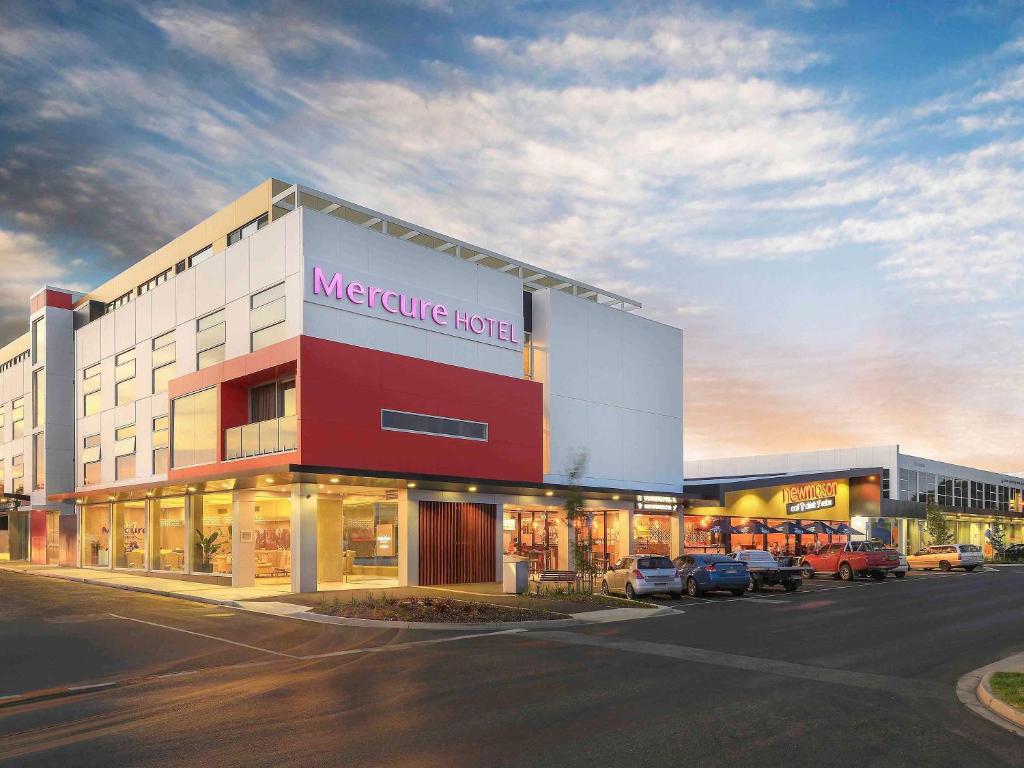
825,196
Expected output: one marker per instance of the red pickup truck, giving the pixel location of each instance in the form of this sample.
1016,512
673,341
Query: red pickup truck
850,560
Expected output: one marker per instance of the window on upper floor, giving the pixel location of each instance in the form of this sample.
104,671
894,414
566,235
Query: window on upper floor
18,473
211,332
164,357
39,341
124,452
266,317
161,428
247,229
92,396
38,398
124,377
18,418
200,256
120,301
91,459
38,461
153,282
194,433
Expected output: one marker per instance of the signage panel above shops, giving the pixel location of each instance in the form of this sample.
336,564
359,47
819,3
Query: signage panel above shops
389,300
809,497
647,503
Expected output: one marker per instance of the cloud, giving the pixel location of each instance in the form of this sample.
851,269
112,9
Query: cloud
28,264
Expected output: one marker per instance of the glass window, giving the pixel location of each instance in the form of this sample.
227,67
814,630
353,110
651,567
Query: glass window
652,534
266,316
38,398
153,282
124,377
160,442
210,335
39,341
91,386
95,535
124,466
272,524
18,418
267,336
38,461
200,256
167,522
164,357
3,421
194,428
130,534
247,229
91,473
120,301
211,535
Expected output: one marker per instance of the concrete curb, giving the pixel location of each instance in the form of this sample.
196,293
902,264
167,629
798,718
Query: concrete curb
974,692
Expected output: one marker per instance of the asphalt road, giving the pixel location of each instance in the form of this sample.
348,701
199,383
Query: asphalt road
835,674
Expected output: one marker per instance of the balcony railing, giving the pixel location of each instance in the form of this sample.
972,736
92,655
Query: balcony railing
260,438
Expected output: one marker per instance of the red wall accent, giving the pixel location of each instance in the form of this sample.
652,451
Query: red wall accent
50,298
342,389
37,535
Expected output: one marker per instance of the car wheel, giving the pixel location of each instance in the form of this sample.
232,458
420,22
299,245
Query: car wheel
691,587
755,585
945,566
791,586
846,572
675,595
900,574
808,572
738,592
969,568
604,587
630,592
878,575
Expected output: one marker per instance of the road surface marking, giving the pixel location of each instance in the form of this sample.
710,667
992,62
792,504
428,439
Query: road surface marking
208,637
843,677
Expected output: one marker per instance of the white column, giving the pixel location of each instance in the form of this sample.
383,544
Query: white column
677,545
409,541
243,540
304,537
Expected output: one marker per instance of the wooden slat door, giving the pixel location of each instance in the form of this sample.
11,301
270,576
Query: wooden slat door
457,542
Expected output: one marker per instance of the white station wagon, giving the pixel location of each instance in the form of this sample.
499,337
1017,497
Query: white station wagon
945,557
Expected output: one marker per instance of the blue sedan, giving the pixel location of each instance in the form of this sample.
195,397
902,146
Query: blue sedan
708,573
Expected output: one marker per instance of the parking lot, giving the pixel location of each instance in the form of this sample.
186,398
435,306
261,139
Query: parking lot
837,672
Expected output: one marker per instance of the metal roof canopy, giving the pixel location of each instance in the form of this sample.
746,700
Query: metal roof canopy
715,488
533,278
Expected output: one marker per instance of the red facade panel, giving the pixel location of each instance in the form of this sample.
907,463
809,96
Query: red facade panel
457,542
343,388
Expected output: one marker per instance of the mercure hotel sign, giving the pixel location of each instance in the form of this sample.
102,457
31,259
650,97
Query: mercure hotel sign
389,301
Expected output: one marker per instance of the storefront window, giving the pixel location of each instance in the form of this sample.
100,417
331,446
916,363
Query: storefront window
273,538
652,534
167,522
130,534
357,536
534,534
607,546
211,533
95,535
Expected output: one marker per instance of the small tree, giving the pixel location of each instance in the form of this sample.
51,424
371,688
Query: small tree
578,517
937,526
997,536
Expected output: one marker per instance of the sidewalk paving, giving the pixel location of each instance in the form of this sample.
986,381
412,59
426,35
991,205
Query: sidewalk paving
975,693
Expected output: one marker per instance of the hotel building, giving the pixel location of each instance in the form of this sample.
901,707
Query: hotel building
302,390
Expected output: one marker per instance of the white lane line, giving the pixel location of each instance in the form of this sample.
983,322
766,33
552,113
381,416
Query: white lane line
208,637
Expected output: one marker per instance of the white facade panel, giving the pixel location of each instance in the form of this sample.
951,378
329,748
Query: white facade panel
210,284
163,302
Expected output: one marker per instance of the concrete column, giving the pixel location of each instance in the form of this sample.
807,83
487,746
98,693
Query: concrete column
304,560
678,531
243,539
409,540
630,541
499,539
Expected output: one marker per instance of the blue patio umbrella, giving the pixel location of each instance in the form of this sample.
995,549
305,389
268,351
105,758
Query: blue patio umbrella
820,527
756,527
789,528
722,528
844,530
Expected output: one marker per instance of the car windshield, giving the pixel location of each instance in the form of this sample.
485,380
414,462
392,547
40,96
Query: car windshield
717,559
755,555
969,548
654,562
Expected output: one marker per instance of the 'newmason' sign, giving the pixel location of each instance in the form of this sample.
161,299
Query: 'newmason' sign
809,497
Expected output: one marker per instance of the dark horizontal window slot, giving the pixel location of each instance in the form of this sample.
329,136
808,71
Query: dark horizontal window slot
440,426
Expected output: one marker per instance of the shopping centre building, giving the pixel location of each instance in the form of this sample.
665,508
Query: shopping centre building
302,390
971,499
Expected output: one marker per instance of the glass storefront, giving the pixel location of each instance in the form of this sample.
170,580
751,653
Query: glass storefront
129,530
211,533
273,540
535,535
95,535
608,544
167,522
357,537
652,534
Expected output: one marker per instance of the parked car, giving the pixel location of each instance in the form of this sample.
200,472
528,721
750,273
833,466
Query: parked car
643,575
710,573
900,571
850,560
1014,552
946,557
765,571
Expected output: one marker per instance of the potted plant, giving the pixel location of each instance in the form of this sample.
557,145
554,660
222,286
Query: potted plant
208,548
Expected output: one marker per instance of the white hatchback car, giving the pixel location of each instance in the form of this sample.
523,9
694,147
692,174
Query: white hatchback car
946,557
643,575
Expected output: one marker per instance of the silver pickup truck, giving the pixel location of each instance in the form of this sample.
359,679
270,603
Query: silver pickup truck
766,572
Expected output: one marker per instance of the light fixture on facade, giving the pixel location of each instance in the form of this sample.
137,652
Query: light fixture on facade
335,480
269,480
549,493
615,497
111,497
149,494
191,489
411,485
472,489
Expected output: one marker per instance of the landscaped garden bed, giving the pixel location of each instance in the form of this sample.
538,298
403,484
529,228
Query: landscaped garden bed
430,609
1009,687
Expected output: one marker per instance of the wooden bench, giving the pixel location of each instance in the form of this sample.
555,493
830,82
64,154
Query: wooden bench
551,577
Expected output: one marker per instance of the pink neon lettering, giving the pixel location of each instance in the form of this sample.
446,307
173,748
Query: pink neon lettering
424,306
491,322
461,319
472,325
408,311
384,301
354,290
439,314
374,293
512,326
320,282
502,330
